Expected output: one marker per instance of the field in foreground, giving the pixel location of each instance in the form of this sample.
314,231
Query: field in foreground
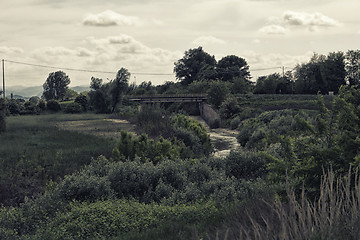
34,151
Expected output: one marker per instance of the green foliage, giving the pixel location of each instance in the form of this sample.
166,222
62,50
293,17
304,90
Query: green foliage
73,107
269,127
104,98
321,74
53,105
2,116
231,67
229,108
154,121
83,101
56,86
34,151
189,131
145,149
194,66
218,92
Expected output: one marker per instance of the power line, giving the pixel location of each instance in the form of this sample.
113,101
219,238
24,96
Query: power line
110,72
84,70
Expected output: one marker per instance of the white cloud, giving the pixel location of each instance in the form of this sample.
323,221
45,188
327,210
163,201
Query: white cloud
109,18
308,19
273,29
205,40
11,50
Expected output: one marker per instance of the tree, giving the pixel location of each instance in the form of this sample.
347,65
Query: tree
56,85
231,67
218,92
195,65
100,97
321,74
352,66
119,86
105,97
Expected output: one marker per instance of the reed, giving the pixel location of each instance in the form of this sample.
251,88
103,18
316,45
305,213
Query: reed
335,214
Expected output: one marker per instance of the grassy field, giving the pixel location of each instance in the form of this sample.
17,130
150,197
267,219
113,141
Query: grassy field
35,150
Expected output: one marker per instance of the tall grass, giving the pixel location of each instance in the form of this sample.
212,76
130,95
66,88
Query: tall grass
33,151
335,214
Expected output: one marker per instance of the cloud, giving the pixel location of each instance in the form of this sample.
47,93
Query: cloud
273,29
291,20
130,52
109,18
205,40
60,54
11,50
308,19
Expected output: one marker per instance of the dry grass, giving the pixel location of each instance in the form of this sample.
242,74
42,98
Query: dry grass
334,215
108,128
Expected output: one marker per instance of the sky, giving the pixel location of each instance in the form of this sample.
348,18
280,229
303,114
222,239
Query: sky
148,36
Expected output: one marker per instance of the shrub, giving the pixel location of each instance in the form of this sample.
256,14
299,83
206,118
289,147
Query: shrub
73,107
242,164
53,105
334,215
82,100
2,116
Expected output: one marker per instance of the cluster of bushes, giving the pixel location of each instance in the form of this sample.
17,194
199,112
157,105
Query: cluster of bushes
35,105
145,149
156,122
110,198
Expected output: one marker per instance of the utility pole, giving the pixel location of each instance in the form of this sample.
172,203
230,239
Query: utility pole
283,71
3,68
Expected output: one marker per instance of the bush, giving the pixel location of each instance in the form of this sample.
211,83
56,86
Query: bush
2,116
15,106
73,107
53,105
82,100
245,165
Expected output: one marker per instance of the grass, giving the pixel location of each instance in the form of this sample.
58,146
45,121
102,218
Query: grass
333,215
34,151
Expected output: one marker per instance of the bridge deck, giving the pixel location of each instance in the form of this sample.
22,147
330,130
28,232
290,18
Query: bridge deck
167,98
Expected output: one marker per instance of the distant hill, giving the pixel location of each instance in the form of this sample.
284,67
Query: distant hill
27,92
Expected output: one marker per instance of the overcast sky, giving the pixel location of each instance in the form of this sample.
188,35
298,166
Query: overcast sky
149,36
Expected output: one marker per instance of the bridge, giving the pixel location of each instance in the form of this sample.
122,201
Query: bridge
188,98
206,111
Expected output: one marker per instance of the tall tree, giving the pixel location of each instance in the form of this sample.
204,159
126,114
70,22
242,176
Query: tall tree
119,86
56,85
194,66
231,67
321,74
352,66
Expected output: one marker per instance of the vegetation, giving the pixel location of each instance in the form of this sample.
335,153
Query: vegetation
34,152
56,85
289,178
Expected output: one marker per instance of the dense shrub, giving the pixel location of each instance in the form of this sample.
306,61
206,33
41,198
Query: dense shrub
83,101
268,127
15,106
189,130
53,105
73,107
154,121
129,148
2,116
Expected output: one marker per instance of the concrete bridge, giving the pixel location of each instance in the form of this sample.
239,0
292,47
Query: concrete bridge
188,98
209,115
